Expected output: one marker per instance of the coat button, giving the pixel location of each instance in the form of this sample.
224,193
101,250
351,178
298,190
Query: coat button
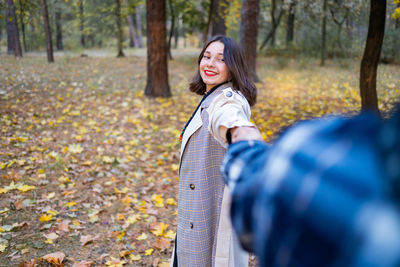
192,186
228,94
191,225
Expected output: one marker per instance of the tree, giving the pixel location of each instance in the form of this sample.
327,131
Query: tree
218,17
172,29
49,42
157,63
81,22
275,23
248,34
323,35
59,37
119,28
290,23
14,45
139,25
369,62
132,35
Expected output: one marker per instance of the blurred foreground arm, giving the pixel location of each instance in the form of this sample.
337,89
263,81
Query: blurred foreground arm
318,197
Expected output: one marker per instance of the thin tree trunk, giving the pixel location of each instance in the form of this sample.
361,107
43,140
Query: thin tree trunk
119,28
323,42
132,33
210,12
398,20
273,30
290,24
157,63
369,62
49,42
248,34
171,30
14,45
59,37
139,26
218,18
273,20
81,23
176,34
21,18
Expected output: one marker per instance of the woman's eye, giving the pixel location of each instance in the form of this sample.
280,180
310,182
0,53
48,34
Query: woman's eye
221,59
206,57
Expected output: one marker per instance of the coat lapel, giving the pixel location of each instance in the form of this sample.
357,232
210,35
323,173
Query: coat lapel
195,124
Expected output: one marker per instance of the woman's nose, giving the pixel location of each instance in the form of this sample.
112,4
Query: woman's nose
211,62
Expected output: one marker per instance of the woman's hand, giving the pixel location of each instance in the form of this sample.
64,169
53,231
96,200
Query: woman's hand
245,133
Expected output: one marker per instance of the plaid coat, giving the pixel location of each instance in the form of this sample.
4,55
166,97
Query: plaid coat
204,234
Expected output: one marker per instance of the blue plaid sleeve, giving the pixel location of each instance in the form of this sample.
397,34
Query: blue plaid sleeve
317,196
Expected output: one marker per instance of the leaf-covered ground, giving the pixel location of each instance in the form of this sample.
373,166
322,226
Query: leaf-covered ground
88,165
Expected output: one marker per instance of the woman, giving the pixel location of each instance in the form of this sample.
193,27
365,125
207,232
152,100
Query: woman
204,234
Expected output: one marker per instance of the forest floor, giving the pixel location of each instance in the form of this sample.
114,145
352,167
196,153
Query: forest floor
89,165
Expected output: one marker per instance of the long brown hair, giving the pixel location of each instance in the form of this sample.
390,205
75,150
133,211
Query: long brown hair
237,67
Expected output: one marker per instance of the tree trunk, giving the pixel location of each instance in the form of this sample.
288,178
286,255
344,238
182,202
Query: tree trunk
323,41
59,37
14,45
157,63
218,18
176,34
172,29
398,20
290,24
119,28
49,42
369,62
139,26
81,23
210,12
132,34
21,18
273,20
248,34
273,30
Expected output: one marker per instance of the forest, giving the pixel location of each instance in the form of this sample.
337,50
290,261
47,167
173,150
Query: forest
94,95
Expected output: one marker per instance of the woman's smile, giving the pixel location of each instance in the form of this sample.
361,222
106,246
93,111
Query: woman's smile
210,73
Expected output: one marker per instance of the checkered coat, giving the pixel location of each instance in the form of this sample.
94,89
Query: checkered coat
204,235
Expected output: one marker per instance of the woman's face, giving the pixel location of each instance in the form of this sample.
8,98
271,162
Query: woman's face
213,69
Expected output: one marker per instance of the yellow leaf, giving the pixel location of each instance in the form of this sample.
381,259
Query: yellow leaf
158,199
3,190
107,159
143,236
49,241
52,212
45,218
148,252
26,188
115,262
135,257
170,234
51,195
71,204
122,191
64,179
120,236
133,218
171,201
3,246
75,148
4,210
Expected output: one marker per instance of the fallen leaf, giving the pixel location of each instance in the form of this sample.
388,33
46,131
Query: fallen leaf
64,225
55,258
135,257
45,217
149,251
143,236
162,244
85,239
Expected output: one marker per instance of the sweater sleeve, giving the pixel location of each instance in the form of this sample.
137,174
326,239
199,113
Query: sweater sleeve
228,110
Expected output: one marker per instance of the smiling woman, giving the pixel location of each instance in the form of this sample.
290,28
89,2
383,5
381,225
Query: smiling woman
204,234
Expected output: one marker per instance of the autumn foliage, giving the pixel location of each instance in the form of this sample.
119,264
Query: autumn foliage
89,165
